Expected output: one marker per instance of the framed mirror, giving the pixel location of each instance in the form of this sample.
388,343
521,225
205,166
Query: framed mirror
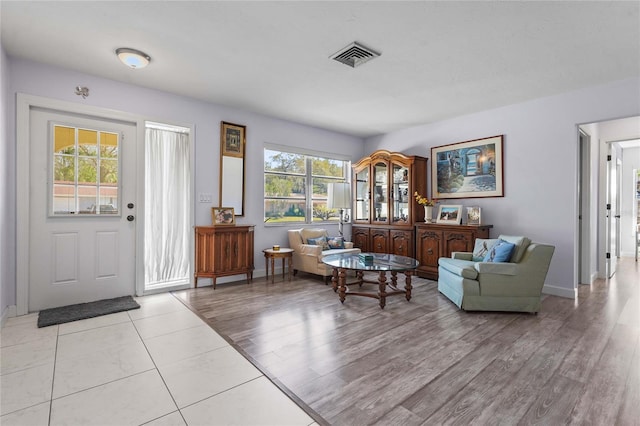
232,149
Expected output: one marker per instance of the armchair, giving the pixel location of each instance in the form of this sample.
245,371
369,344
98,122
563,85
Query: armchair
475,285
308,257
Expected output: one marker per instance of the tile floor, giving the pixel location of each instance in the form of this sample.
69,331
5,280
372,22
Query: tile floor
157,365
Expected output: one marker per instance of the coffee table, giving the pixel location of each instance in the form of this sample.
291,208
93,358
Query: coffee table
382,263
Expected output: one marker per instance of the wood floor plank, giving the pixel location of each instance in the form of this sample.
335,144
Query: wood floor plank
602,399
427,362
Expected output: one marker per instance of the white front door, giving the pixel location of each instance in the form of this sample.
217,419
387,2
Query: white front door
82,209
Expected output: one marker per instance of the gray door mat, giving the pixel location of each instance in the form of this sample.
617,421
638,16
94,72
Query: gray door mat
85,310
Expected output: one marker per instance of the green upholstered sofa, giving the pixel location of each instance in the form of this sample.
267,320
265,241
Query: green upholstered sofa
516,285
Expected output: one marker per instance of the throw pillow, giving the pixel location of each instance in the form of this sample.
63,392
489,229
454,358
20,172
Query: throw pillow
482,247
521,244
500,252
320,241
336,242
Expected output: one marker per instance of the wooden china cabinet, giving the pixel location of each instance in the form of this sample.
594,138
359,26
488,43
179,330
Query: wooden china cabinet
223,251
384,209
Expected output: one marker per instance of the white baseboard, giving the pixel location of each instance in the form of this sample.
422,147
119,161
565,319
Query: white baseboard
9,312
569,293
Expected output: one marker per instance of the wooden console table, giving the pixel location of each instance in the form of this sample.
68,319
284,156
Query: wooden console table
223,251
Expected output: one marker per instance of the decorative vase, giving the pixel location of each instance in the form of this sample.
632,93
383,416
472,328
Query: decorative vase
428,214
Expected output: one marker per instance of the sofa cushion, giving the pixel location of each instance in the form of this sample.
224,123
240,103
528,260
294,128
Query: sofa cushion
521,244
319,241
500,252
482,247
335,242
307,233
463,268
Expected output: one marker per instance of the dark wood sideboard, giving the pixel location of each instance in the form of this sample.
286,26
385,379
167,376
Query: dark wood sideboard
434,240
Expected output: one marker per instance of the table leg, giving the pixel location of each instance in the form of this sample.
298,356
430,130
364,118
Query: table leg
334,279
394,279
266,261
273,268
407,285
382,289
283,260
342,280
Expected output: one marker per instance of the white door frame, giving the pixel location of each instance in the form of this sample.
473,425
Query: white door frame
24,104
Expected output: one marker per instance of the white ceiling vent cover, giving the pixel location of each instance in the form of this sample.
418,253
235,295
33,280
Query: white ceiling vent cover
354,55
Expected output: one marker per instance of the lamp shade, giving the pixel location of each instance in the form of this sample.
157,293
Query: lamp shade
339,195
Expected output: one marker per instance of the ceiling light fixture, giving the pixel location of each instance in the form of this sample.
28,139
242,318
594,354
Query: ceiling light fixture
133,58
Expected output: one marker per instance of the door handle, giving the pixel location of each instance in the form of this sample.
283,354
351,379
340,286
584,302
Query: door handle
130,218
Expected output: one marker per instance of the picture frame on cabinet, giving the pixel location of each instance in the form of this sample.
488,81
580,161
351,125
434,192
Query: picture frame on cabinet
449,214
474,215
471,169
223,216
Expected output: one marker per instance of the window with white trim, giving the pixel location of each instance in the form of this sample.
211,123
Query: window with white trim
295,185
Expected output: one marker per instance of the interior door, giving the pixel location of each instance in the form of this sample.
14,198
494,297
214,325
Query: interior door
81,209
612,212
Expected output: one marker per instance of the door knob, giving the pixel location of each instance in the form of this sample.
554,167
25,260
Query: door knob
130,218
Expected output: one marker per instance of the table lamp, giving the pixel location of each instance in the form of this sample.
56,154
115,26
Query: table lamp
339,197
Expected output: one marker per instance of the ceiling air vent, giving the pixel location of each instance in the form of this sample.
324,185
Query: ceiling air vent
354,55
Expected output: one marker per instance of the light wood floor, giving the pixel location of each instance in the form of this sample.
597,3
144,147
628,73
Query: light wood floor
426,362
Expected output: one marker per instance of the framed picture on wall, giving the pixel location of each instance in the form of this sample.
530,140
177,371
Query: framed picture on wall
469,169
232,139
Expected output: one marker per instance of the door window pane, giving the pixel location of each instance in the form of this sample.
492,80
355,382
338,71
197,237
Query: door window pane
85,169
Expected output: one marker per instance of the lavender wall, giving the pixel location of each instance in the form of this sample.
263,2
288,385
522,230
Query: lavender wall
540,164
42,80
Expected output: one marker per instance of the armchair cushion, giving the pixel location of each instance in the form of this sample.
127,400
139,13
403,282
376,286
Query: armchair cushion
335,242
500,252
319,241
521,246
482,247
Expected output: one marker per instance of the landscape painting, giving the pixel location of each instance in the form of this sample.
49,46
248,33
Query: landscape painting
469,169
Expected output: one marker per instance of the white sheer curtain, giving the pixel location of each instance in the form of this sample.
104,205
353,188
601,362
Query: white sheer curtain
167,208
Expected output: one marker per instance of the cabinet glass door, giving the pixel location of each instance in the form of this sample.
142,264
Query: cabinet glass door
380,193
401,197
362,195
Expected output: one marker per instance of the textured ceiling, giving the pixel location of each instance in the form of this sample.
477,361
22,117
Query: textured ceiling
439,59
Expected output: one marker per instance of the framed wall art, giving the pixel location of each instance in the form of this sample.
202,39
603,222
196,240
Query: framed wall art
469,169
451,214
223,216
232,170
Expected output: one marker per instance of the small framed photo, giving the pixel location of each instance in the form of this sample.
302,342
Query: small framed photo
450,214
474,215
223,216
